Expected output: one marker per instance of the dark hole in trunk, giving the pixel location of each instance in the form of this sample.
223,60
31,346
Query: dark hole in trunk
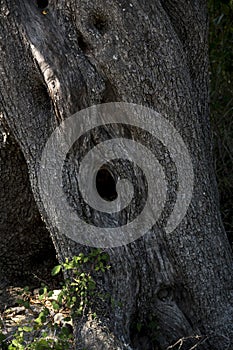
106,185
100,23
82,44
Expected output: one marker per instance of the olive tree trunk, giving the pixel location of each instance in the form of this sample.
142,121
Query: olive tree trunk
79,53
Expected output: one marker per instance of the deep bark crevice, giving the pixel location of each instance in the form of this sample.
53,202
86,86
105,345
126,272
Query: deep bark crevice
27,253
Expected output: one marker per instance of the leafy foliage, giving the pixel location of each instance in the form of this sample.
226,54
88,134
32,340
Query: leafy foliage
51,328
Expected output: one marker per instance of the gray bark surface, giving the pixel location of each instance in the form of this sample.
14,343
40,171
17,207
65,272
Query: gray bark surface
152,53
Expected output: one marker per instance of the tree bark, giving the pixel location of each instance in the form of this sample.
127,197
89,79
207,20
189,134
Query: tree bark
25,245
149,53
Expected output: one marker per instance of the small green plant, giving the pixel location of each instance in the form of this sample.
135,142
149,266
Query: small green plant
79,289
51,327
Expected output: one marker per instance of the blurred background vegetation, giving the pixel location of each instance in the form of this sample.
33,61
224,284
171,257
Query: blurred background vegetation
221,102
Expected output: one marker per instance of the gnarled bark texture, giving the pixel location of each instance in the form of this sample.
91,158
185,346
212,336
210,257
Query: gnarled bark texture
152,53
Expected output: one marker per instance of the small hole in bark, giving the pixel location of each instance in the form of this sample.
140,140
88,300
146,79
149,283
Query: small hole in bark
41,95
100,23
82,44
42,4
164,294
109,94
106,185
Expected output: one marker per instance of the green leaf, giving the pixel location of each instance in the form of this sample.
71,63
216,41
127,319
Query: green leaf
43,290
56,270
65,331
74,299
26,303
42,316
67,319
25,329
56,306
16,345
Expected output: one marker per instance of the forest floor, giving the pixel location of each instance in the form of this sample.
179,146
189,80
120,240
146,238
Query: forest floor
19,307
